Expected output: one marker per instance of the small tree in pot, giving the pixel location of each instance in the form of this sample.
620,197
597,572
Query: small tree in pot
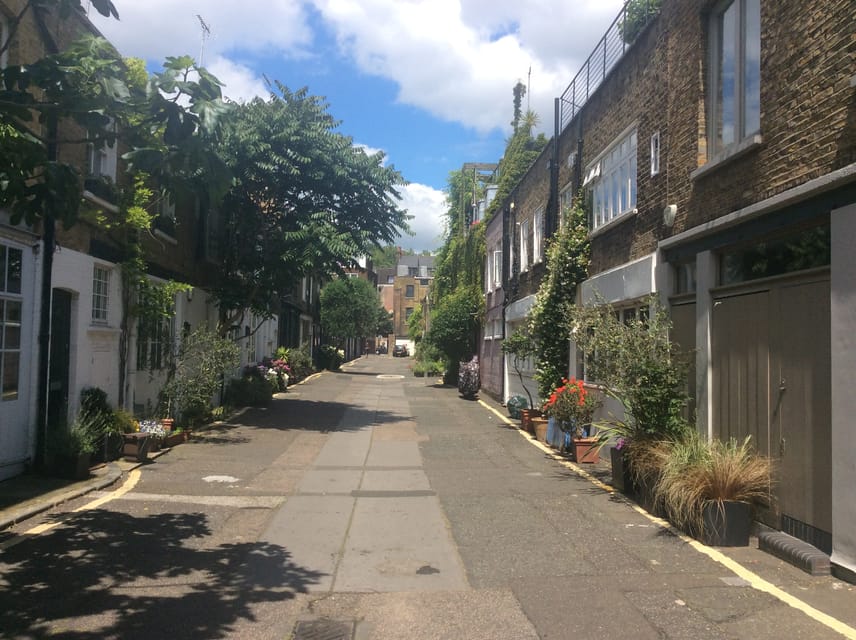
521,346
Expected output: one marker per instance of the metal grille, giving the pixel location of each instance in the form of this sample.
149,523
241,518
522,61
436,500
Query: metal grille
323,629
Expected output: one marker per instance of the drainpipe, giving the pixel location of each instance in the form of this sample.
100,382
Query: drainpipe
553,213
49,242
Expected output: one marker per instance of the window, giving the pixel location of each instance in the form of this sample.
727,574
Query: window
11,262
497,269
409,291
407,313
152,343
524,245
538,236
735,73
165,219
655,154
100,294
4,37
101,160
612,181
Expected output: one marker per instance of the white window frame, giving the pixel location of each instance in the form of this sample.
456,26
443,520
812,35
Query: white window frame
612,180
4,36
655,153
100,294
524,245
538,236
566,201
746,108
9,297
497,268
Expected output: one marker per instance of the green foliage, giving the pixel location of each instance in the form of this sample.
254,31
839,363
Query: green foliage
415,325
249,390
195,376
349,308
298,359
637,364
639,14
567,265
520,152
384,321
305,199
459,264
168,123
696,472
455,324
385,257
330,357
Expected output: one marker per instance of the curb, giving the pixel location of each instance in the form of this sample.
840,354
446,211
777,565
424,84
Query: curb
15,515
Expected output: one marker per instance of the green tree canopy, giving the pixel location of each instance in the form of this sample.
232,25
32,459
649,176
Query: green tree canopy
349,308
305,198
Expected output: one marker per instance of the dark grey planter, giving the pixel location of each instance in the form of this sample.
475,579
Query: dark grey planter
621,478
726,523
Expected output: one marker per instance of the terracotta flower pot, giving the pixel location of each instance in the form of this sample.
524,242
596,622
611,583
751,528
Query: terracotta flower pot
526,416
539,427
585,450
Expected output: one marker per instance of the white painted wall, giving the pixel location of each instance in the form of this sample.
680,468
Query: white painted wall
843,318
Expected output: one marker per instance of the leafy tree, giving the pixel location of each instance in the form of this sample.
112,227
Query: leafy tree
415,325
304,200
385,325
455,325
349,308
385,257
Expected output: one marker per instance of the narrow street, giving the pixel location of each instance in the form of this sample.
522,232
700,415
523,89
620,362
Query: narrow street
371,504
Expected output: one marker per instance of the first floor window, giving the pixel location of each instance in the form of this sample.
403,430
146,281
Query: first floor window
100,294
408,312
611,181
538,236
735,73
497,269
524,245
409,291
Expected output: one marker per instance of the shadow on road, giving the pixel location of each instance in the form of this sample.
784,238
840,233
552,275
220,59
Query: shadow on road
116,575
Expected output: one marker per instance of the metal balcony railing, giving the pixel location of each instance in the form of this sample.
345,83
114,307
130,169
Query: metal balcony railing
628,24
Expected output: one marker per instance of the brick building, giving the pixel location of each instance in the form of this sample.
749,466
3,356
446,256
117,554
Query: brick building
717,156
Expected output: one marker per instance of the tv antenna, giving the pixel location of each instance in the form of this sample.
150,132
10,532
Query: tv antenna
206,33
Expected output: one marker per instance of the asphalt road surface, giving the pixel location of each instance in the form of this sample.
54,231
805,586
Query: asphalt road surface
370,504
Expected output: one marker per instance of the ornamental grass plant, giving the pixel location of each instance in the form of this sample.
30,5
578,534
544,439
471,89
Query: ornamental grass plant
695,473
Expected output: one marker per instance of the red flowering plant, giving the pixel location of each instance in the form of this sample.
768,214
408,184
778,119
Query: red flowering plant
573,406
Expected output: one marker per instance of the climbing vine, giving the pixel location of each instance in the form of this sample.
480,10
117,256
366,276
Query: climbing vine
567,267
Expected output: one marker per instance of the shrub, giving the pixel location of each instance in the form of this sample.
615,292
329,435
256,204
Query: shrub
329,357
696,472
204,358
250,390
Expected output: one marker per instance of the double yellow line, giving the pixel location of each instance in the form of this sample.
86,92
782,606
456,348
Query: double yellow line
751,578
131,481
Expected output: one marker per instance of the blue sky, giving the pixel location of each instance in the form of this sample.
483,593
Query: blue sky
428,82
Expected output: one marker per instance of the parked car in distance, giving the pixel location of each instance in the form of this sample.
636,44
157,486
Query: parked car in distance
400,351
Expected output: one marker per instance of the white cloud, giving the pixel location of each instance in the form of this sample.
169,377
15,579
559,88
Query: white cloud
456,59
155,29
459,59
427,206
241,83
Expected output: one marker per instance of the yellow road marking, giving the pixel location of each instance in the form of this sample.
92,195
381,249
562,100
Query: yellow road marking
130,483
753,579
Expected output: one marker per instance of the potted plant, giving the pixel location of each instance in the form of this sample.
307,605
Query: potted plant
521,346
70,451
709,489
572,406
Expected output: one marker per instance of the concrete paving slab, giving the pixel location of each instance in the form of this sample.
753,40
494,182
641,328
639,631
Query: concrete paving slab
399,544
394,454
312,529
345,449
330,481
395,480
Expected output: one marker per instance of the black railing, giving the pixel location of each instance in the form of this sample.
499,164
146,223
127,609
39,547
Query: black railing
628,24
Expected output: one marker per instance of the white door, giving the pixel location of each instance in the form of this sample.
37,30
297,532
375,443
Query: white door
17,353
